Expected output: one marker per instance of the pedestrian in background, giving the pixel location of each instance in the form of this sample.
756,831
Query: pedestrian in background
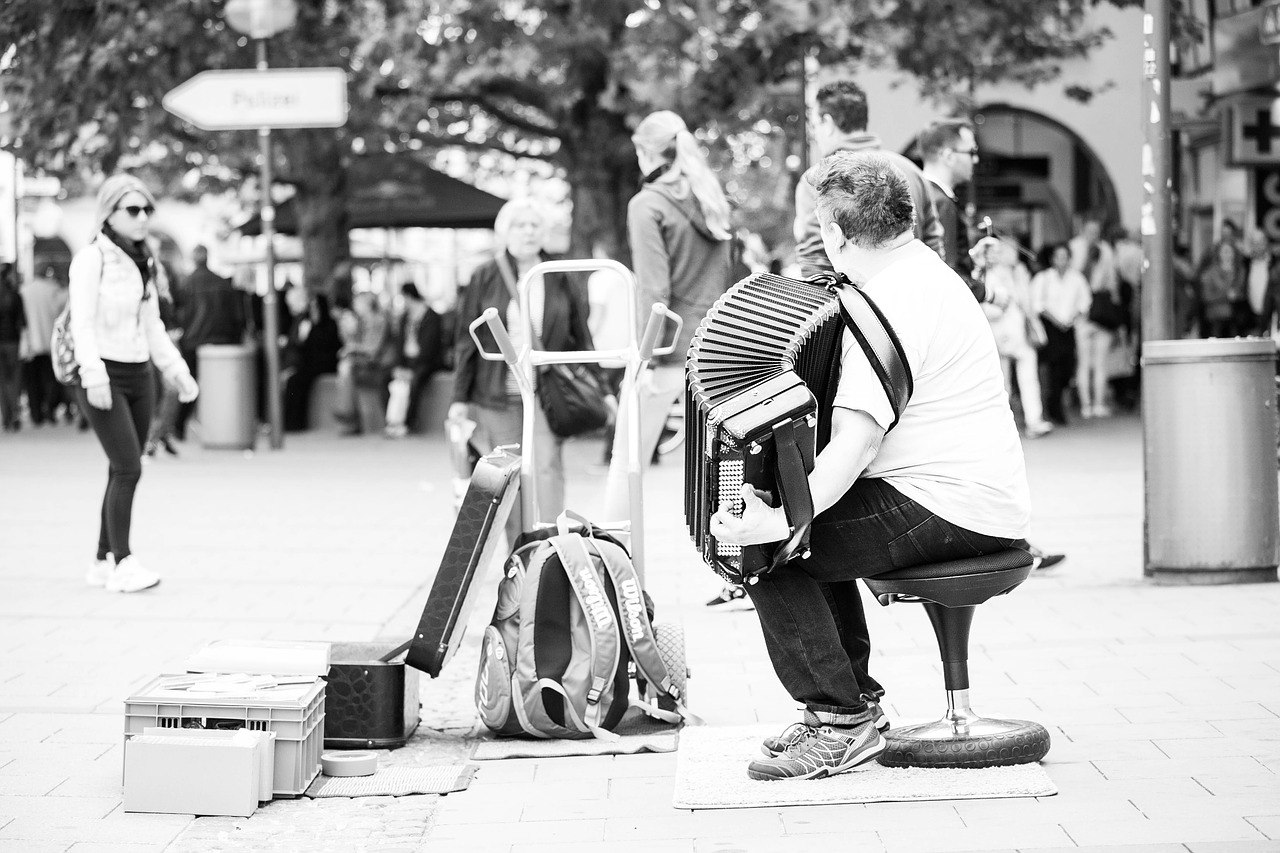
1222,287
949,150
681,251
1096,334
1063,297
486,391
364,364
840,124
13,325
212,313
311,352
115,323
1019,332
44,297
423,349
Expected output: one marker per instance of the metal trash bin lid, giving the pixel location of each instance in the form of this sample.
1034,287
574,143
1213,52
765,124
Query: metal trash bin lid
1209,350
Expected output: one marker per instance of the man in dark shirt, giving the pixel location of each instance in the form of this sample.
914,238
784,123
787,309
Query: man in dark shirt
949,150
213,312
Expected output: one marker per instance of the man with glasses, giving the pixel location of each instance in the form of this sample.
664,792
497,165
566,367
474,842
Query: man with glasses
841,125
949,150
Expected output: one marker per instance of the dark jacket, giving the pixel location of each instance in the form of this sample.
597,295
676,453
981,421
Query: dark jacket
212,310
564,327
678,261
955,238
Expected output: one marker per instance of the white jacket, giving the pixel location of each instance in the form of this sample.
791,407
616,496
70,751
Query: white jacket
109,317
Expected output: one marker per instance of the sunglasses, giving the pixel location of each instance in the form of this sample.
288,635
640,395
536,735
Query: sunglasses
972,152
135,210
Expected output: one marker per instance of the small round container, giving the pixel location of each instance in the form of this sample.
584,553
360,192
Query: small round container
362,763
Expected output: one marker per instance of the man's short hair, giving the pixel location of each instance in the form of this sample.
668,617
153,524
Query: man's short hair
846,103
866,195
940,136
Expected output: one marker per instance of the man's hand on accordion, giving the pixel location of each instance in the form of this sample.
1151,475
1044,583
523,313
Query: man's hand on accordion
758,525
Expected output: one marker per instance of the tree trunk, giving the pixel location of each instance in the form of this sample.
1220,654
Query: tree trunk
602,160
318,170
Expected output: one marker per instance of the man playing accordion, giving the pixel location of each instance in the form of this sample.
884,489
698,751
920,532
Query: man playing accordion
948,482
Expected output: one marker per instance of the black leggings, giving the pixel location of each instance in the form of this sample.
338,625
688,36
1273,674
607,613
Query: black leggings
121,431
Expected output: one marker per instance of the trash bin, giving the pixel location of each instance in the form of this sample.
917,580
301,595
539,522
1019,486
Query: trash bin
227,406
1209,424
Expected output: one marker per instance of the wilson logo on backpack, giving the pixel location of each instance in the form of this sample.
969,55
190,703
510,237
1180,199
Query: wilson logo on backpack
633,607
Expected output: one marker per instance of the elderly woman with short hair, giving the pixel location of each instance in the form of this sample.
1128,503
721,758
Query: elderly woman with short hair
486,391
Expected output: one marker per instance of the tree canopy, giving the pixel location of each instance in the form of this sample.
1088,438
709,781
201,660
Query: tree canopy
561,81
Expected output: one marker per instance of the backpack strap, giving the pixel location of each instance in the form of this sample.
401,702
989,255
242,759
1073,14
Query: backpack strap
599,615
638,631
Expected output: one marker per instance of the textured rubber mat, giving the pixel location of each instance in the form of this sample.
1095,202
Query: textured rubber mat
711,773
396,782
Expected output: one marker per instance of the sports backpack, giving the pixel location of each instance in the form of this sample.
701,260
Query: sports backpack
554,662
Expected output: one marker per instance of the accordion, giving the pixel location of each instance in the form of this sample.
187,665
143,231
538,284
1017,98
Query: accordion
762,366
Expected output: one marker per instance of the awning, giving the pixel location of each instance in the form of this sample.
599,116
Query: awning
400,191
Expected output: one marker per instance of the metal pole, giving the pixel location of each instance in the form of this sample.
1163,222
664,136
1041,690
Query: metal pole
1157,181
1157,239
270,323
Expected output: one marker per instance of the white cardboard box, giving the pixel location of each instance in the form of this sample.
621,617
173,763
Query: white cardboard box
262,657
210,773
266,751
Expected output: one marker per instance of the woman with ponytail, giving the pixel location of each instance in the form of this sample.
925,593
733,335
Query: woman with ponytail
678,225
117,334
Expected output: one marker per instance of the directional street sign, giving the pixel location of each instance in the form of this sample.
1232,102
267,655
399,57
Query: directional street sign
249,99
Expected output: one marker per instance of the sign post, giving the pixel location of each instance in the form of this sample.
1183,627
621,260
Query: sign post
1157,241
263,99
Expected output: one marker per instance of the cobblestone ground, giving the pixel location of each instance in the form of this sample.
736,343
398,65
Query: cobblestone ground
326,825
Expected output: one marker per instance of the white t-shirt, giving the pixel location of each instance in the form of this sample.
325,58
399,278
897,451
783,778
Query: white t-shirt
956,449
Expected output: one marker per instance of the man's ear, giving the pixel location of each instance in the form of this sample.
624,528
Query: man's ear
830,230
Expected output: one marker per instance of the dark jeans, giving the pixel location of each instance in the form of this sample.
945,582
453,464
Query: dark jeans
1058,361
810,611
10,385
43,391
121,431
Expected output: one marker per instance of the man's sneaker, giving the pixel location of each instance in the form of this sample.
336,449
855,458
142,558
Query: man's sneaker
131,576
732,597
100,571
775,746
824,751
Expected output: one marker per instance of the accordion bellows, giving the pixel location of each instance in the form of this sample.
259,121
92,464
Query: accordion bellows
765,357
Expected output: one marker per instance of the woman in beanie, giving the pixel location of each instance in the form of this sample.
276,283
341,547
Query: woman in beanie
117,332
678,226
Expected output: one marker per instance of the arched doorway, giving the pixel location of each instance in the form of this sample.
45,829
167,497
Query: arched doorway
1037,178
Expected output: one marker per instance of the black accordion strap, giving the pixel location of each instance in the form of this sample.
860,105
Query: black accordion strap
793,484
881,345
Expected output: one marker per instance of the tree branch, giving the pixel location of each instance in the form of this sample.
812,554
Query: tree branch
501,114
486,145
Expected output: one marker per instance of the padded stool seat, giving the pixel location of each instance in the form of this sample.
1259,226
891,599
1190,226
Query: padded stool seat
956,583
950,593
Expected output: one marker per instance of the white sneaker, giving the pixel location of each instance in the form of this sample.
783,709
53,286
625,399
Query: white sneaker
131,576
100,571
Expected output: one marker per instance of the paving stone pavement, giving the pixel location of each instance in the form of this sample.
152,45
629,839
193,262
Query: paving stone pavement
1162,701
